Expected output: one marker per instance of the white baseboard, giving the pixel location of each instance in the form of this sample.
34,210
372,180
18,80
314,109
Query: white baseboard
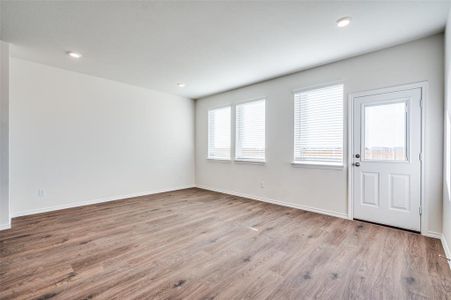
93,201
432,234
446,248
268,200
5,226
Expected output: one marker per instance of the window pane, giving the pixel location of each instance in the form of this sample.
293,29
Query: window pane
385,132
319,125
219,133
250,130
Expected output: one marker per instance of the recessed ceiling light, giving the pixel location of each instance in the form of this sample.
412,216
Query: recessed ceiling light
343,22
181,84
74,54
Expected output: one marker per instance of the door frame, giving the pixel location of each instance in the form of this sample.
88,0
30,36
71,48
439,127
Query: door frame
423,85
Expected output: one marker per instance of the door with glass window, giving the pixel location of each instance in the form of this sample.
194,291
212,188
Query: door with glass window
386,158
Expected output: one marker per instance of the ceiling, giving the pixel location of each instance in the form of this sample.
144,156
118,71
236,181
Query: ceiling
211,46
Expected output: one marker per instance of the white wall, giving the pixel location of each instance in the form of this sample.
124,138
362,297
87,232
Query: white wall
446,240
83,139
325,190
4,140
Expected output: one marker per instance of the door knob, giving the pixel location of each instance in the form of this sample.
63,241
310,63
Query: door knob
357,155
357,164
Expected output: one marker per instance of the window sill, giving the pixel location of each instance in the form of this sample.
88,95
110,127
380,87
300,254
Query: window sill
219,159
317,165
250,161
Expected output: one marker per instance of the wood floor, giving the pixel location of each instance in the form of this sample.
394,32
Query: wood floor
197,244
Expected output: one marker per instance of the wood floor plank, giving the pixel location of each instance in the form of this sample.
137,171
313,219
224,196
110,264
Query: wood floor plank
198,244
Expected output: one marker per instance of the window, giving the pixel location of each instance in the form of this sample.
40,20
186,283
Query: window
219,133
318,126
250,131
385,135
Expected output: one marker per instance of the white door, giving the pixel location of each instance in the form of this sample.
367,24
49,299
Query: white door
386,158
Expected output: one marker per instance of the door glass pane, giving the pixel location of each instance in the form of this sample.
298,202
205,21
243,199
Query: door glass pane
385,132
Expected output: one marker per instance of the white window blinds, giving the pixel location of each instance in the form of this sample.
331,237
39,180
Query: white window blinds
318,125
250,131
219,133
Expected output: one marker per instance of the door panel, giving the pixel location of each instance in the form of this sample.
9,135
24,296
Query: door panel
370,189
386,158
399,191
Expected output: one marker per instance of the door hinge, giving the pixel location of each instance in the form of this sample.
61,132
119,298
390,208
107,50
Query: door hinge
421,103
420,210
420,156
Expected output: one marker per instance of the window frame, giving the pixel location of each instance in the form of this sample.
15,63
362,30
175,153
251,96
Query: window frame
407,128
231,133
319,164
247,160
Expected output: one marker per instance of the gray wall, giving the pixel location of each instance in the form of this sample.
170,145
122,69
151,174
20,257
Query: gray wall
4,135
78,139
325,190
447,151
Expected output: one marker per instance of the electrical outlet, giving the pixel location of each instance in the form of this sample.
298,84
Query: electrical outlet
262,185
41,193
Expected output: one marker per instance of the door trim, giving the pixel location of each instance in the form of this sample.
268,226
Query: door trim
423,85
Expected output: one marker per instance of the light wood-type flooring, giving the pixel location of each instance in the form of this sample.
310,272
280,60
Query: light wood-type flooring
198,244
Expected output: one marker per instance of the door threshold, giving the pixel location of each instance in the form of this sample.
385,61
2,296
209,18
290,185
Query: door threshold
389,226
